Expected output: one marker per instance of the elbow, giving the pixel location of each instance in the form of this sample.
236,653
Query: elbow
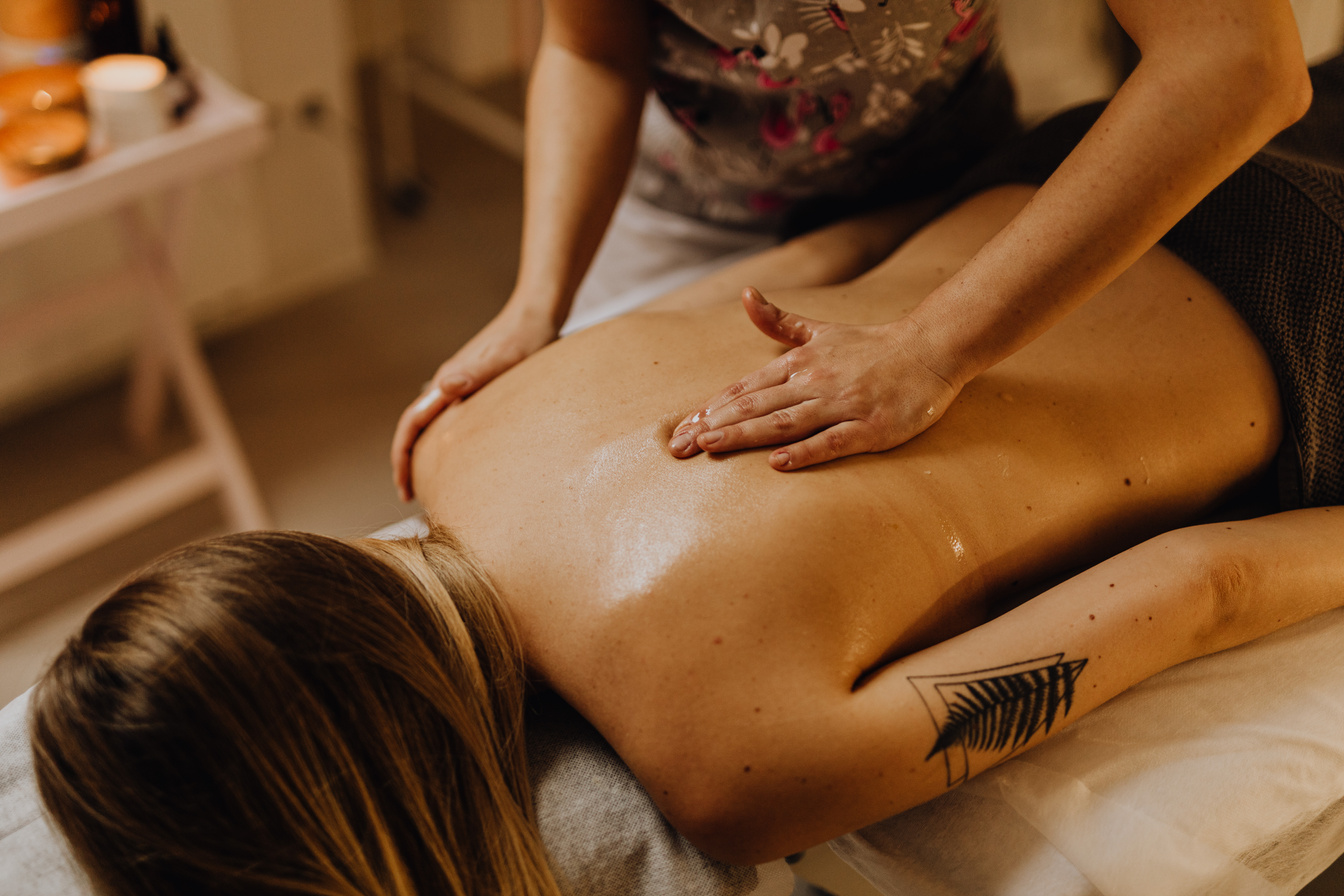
1253,75
1284,87
731,801
1227,581
721,817
1301,94
1272,78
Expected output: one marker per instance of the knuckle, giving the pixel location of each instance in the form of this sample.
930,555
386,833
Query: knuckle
804,376
783,420
735,390
834,442
877,420
859,396
733,434
745,406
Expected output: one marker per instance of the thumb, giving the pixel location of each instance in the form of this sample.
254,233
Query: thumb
782,326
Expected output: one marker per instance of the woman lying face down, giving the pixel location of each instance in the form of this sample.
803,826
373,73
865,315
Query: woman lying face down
778,659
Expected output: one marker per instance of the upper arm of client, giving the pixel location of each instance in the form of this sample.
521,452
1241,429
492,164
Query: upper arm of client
924,723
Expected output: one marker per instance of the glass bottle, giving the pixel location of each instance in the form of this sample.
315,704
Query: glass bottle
112,26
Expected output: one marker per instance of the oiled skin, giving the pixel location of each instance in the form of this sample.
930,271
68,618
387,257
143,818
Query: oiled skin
717,596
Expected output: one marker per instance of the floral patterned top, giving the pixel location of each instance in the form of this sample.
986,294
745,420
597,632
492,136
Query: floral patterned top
768,102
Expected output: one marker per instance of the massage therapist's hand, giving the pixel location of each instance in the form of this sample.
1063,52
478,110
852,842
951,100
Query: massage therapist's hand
843,389
509,338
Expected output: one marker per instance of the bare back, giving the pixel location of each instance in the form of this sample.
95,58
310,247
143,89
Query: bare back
632,573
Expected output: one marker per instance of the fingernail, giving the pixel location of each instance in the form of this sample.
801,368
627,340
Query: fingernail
780,459
429,399
710,439
681,443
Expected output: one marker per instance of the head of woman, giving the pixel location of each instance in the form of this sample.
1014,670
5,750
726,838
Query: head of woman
281,713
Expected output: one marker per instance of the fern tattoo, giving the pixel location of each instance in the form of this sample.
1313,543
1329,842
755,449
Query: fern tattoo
995,709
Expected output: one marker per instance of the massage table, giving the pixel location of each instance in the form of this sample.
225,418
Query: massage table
1224,775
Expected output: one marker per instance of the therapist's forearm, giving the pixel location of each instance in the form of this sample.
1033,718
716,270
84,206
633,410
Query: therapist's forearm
582,118
1184,120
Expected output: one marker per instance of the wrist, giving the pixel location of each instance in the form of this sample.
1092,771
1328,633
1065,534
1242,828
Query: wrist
538,309
937,348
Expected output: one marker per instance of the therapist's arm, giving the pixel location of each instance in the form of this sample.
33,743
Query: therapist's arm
583,107
750,791
1217,80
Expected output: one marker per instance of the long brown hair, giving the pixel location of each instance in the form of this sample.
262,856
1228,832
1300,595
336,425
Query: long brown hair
282,713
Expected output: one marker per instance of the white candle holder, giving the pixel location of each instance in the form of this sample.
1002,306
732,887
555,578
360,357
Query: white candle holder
127,98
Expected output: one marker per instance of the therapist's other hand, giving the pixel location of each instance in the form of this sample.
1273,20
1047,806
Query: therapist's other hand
509,338
843,389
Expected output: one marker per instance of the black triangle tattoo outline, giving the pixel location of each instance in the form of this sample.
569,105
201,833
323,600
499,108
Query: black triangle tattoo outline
995,709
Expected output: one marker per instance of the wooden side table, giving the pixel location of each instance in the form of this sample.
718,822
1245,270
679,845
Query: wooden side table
224,129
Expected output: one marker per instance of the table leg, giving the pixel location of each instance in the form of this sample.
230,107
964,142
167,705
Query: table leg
214,464
196,387
147,393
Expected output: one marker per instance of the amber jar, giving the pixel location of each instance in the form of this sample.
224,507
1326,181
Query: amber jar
39,88
41,20
36,143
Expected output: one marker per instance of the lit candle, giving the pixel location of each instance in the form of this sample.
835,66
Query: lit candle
127,98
